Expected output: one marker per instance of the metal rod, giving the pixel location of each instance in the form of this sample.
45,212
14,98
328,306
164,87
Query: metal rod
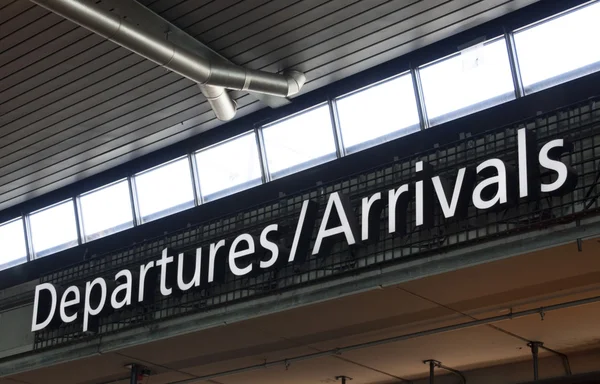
453,371
431,372
449,328
564,358
535,345
133,377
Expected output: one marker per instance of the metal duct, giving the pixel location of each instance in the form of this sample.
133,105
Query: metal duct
159,50
219,100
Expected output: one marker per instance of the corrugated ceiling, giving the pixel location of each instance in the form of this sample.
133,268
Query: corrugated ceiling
73,104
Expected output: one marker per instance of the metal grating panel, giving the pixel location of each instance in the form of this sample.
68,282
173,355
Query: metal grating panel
580,124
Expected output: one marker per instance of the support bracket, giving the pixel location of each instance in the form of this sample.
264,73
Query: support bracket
436,364
343,379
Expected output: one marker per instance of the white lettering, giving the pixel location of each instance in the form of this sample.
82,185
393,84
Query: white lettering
234,254
36,302
65,303
127,287
195,282
344,227
87,308
501,195
214,248
557,166
449,210
162,263
269,246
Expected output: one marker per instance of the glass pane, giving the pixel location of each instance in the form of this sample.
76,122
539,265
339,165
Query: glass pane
229,167
477,78
299,142
106,210
560,49
164,190
12,241
53,229
378,114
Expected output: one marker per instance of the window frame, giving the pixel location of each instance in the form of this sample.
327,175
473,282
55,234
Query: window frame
349,150
563,77
80,213
236,188
36,255
306,164
473,108
22,260
140,218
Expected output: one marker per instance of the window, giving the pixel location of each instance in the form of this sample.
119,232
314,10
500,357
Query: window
474,79
164,190
560,49
13,250
299,141
377,114
229,167
53,229
106,210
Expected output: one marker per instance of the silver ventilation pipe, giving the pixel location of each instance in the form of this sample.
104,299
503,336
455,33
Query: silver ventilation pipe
220,101
209,74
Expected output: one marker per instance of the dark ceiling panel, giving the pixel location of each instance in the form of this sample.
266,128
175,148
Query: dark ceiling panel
202,15
73,105
21,20
12,8
318,30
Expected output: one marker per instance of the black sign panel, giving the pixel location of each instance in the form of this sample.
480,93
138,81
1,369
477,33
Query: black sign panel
503,181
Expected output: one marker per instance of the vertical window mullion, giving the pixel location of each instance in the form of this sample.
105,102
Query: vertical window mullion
421,108
79,220
335,125
264,166
135,207
514,64
194,176
196,179
28,239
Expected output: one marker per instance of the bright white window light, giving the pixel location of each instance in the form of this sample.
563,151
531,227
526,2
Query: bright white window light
164,190
229,167
13,250
300,141
378,113
53,229
474,79
560,49
106,210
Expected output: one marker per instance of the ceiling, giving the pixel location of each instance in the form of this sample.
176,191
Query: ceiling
495,353
73,104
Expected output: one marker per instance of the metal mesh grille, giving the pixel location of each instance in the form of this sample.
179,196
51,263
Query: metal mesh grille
579,123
